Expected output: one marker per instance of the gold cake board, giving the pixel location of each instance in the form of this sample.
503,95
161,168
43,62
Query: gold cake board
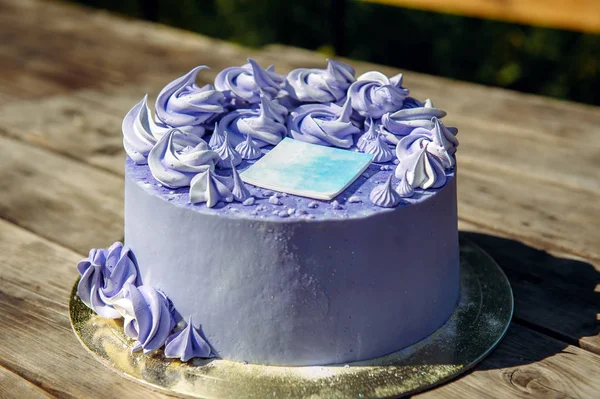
477,325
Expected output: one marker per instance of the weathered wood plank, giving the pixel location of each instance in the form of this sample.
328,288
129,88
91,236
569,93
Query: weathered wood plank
33,307
13,386
524,207
527,364
555,292
59,198
36,321
581,15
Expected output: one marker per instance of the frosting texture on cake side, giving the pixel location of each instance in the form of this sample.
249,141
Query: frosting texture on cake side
270,277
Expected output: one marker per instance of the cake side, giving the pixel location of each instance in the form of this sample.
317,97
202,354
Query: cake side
301,292
218,267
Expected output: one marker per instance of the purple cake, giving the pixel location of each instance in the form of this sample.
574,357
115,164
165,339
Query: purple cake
215,267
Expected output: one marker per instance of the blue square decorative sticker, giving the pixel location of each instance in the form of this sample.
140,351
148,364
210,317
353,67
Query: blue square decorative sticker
308,170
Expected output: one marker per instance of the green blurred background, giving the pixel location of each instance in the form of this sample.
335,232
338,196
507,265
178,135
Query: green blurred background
549,62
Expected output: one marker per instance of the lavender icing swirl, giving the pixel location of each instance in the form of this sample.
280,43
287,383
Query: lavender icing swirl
404,189
265,125
368,136
187,344
384,196
380,150
175,168
239,190
373,94
140,132
320,85
147,317
248,150
418,166
182,103
400,123
103,275
229,157
244,85
323,124
211,188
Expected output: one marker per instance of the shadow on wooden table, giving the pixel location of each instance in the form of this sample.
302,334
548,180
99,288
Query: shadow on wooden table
554,296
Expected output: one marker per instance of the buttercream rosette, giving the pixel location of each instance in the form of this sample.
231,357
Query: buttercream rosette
147,317
183,104
187,344
323,124
264,125
320,85
244,85
104,273
424,156
173,167
374,94
414,114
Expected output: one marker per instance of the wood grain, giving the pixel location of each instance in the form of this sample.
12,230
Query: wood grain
43,348
579,15
13,386
59,198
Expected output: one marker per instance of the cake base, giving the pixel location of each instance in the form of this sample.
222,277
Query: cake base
478,323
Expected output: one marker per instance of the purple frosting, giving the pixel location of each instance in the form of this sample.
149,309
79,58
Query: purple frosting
187,344
103,275
373,94
211,188
248,149
140,132
239,190
320,85
229,157
323,124
400,123
421,168
265,125
173,167
182,103
404,189
147,317
244,85
384,195
380,150
368,136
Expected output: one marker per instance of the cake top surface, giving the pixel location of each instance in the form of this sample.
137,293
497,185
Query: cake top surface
196,150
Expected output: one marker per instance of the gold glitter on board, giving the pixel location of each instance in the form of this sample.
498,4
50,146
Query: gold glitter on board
474,329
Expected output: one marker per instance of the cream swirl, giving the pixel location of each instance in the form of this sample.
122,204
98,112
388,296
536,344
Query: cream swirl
248,150
239,190
368,136
103,275
187,344
320,85
244,85
140,132
419,163
323,124
147,317
384,196
265,125
414,114
182,103
380,150
374,94
228,155
211,188
173,167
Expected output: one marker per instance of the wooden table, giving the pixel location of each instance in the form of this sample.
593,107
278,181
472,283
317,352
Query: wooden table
528,194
